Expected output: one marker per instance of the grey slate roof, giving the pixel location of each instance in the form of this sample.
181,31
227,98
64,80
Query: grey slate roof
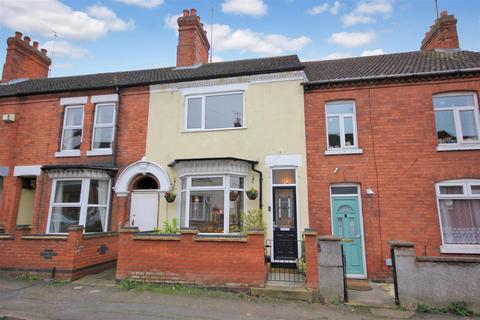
153,76
396,64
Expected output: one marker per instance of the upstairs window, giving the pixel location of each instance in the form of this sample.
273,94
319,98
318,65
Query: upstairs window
456,118
104,126
459,209
217,111
72,128
341,125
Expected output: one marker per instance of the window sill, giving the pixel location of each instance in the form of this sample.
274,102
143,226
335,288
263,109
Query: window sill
340,151
69,153
460,248
208,130
99,152
458,147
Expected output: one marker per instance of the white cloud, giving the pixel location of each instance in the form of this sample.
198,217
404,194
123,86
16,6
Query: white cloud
318,9
324,7
171,21
375,52
352,39
246,40
143,3
65,49
337,55
65,65
366,11
43,17
255,8
217,59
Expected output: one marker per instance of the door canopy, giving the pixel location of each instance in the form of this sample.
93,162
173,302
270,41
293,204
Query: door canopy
142,167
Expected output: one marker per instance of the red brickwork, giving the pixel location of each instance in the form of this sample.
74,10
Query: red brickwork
396,130
443,34
189,259
72,256
311,260
24,60
193,44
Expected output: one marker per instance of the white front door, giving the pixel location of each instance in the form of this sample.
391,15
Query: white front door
144,210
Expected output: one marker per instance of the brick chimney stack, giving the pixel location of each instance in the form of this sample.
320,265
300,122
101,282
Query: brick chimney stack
193,45
24,60
443,34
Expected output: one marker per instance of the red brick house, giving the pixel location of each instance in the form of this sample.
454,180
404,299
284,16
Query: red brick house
393,151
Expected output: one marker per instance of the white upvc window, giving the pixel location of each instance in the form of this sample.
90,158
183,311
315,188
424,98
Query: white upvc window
103,129
341,127
459,214
457,121
212,204
79,201
72,132
215,111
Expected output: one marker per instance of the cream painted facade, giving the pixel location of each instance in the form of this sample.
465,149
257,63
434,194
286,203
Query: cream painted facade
274,129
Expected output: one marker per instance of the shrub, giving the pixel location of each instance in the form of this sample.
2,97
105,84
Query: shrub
169,227
460,308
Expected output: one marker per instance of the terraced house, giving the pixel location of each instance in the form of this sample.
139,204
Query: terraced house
369,149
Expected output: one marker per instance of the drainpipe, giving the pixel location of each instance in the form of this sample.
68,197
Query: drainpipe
260,174
114,155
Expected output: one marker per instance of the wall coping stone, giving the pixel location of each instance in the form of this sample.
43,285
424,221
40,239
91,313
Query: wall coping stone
75,228
309,232
23,227
45,237
221,238
189,231
448,259
399,243
156,236
95,235
128,230
329,238
255,231
5,236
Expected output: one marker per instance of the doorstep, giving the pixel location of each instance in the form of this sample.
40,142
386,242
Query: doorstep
284,290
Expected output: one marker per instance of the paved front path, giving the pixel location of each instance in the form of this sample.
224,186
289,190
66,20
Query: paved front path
103,300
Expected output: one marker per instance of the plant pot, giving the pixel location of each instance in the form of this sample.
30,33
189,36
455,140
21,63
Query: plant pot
234,195
170,197
252,194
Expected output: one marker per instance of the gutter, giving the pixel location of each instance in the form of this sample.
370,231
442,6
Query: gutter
393,76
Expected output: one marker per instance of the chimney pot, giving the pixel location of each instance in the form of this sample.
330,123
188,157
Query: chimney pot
35,44
444,13
44,51
18,35
186,13
27,39
193,12
442,35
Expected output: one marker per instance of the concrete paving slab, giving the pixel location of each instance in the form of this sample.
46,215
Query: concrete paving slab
379,296
392,314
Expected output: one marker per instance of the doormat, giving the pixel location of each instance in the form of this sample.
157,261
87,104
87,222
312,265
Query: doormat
358,285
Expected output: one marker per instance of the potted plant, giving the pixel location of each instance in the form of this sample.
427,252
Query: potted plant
252,193
170,197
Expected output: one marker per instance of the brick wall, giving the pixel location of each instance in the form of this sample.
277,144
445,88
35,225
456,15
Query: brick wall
72,255
191,259
396,130
311,259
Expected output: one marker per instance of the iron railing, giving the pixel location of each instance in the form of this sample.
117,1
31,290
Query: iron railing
285,260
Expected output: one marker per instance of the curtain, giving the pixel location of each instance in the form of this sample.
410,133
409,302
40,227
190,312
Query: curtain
460,221
103,199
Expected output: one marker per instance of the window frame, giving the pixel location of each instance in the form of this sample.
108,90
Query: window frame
65,127
101,151
467,195
354,149
226,188
83,204
203,115
460,144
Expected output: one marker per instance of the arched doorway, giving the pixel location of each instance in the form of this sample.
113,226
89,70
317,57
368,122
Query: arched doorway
144,181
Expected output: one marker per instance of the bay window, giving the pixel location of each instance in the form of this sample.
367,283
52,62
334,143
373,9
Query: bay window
215,111
79,201
456,119
459,211
341,127
212,204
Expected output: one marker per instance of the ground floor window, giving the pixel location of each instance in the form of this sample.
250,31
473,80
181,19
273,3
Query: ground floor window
79,201
212,204
459,209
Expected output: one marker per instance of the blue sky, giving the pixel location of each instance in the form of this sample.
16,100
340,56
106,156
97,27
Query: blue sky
115,35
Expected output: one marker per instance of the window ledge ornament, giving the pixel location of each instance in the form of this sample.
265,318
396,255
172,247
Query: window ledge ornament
77,173
141,167
341,151
460,248
215,166
458,147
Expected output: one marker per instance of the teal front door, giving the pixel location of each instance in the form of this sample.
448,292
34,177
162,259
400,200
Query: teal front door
346,224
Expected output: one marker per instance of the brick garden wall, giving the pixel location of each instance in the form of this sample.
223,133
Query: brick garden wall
72,255
396,130
192,259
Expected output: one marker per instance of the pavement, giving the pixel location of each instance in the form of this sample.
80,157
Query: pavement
98,297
